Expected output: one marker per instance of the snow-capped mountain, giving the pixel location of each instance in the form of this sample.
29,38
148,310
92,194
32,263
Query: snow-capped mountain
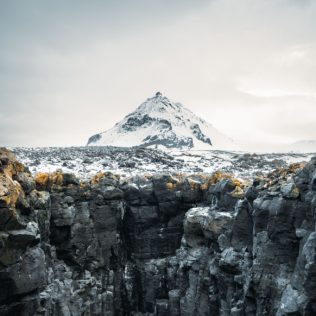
160,123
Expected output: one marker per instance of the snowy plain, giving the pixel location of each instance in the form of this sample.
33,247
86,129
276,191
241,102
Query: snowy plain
85,162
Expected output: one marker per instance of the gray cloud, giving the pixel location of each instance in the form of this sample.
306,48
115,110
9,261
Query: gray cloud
71,68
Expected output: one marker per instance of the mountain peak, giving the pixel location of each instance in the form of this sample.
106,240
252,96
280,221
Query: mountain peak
158,97
159,122
157,103
158,94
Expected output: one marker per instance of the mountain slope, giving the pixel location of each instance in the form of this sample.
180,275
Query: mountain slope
160,123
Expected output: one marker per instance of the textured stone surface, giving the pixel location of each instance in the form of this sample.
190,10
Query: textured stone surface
157,245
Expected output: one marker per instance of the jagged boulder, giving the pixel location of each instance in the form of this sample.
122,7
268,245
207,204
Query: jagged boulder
203,225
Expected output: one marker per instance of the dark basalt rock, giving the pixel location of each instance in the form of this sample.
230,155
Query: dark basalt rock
157,245
94,138
136,121
168,139
199,135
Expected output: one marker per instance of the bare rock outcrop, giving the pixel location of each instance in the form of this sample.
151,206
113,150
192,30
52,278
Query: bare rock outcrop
167,244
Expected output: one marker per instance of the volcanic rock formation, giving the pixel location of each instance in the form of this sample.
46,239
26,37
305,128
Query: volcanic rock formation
157,245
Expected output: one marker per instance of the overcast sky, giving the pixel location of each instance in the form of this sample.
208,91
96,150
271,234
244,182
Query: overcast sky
70,69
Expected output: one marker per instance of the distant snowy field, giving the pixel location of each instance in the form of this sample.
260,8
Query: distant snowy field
86,161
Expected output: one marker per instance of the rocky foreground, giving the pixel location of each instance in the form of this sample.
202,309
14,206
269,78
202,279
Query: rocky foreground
167,244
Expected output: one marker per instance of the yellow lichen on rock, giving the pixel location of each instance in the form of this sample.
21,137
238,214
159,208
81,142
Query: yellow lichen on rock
10,191
237,193
97,177
56,178
218,176
173,181
11,166
237,183
15,193
214,178
82,185
41,178
170,186
295,166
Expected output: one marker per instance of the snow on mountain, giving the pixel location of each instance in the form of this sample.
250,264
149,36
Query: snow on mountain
160,123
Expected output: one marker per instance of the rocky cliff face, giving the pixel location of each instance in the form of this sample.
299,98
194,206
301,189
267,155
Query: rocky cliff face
157,245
